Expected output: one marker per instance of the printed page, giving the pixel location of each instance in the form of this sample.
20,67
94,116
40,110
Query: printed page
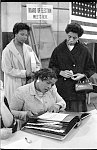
53,116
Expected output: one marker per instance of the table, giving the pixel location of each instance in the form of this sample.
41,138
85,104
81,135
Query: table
85,136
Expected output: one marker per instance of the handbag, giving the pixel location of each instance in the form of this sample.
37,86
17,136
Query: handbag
84,85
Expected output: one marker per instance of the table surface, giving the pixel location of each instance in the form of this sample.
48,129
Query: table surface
85,136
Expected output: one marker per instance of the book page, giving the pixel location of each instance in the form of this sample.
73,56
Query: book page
53,116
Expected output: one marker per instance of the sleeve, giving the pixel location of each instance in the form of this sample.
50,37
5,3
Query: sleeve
6,103
8,68
14,123
38,63
59,100
17,104
54,62
90,67
2,124
35,63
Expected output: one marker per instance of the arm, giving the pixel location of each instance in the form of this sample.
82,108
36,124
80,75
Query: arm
90,67
16,106
59,100
8,68
7,116
38,64
19,114
8,123
35,63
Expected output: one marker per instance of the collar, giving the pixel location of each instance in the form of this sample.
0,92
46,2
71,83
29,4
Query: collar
35,93
32,89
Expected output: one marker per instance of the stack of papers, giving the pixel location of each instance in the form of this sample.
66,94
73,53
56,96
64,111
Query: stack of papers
53,116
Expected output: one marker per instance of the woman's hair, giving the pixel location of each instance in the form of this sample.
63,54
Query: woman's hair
20,26
45,74
75,28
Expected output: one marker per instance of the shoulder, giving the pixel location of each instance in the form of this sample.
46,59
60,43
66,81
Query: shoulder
60,47
83,47
54,89
7,49
28,47
23,88
22,91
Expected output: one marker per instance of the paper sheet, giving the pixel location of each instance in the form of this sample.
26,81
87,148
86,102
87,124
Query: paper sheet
53,116
22,144
93,111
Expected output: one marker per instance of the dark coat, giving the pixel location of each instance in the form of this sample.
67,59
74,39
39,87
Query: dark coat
79,60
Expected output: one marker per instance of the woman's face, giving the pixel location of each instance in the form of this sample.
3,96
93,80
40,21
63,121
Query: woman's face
45,85
72,38
22,36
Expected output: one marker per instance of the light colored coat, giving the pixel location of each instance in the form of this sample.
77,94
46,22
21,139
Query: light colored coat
27,99
14,68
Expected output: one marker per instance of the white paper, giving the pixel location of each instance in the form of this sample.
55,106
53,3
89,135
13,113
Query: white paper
53,116
93,111
22,144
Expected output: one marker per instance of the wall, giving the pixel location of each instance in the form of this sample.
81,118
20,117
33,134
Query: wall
58,24
60,17
13,12
10,14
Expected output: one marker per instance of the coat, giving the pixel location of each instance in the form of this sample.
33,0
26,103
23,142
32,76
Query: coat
14,68
27,99
79,60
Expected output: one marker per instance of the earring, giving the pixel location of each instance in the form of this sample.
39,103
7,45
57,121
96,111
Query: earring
37,80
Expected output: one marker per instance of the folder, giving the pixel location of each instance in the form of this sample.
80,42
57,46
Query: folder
51,127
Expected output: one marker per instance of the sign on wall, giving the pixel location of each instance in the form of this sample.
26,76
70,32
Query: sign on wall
39,12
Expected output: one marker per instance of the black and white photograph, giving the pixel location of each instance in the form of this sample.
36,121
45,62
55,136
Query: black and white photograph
48,75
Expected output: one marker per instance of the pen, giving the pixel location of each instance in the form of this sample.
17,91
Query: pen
28,140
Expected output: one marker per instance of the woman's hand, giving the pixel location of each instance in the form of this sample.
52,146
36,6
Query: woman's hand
78,76
29,114
67,73
5,133
29,74
55,108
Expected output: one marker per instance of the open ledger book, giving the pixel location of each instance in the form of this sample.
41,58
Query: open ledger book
53,125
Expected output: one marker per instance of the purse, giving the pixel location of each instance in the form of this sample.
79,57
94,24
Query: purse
84,85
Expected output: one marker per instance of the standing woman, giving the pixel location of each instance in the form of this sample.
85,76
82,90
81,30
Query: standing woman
17,60
70,58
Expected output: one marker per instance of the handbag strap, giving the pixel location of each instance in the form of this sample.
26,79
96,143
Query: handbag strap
84,81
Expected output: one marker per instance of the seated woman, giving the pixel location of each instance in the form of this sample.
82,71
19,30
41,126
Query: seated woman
8,123
37,97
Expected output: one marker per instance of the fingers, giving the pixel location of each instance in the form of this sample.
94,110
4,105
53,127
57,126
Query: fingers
31,114
54,109
66,73
77,76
